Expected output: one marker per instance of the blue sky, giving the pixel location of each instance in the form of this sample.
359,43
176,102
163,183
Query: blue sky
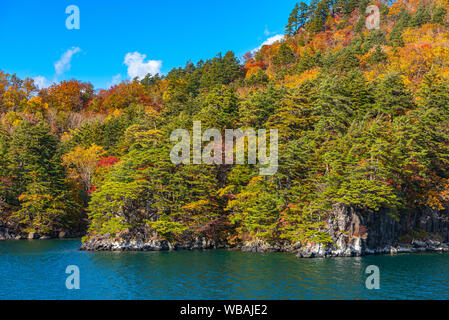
169,33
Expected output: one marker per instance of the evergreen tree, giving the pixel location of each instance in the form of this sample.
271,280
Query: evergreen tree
298,18
392,97
402,22
284,55
318,19
304,13
422,16
378,56
292,26
37,177
439,14
221,70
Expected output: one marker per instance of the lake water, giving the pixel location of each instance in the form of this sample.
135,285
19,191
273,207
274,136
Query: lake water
36,270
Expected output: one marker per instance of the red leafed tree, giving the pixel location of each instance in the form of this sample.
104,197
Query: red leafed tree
107,161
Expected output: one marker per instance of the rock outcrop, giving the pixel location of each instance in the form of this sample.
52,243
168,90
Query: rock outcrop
7,233
262,246
105,243
357,234
353,233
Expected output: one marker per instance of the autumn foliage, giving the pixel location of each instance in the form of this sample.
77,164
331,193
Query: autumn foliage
363,118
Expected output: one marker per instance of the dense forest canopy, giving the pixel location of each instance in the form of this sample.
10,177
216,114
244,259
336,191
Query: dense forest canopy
362,117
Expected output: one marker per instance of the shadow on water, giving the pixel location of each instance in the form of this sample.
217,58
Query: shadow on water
36,269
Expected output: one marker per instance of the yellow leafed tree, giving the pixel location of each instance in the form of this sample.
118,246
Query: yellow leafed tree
81,163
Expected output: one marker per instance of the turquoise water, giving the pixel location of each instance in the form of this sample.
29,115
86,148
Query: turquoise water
36,270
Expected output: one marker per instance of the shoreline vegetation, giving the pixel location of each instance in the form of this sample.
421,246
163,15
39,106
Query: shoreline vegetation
351,238
363,122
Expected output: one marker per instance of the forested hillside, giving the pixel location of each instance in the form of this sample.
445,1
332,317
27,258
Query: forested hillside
363,120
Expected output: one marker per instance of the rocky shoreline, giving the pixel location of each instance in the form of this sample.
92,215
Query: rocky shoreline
357,234
9,234
417,246
104,243
353,234
308,251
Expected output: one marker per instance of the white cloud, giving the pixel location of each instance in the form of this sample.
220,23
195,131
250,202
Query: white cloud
41,82
137,67
266,32
272,40
63,64
269,41
115,80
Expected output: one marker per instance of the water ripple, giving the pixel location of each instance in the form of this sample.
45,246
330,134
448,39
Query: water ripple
36,270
